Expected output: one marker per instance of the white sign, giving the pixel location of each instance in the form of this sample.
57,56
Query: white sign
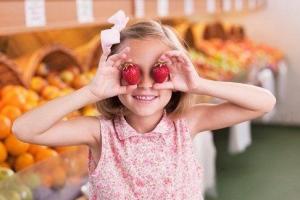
227,5
139,6
35,13
211,6
188,7
239,5
162,8
85,13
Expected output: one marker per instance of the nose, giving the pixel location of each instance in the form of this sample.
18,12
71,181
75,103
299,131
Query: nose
146,81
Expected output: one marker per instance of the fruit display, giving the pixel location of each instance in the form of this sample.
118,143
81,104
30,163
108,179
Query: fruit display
46,83
223,52
58,177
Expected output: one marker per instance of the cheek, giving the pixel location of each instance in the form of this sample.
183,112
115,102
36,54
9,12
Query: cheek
166,95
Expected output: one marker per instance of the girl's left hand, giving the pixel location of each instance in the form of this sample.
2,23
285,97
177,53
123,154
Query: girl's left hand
183,75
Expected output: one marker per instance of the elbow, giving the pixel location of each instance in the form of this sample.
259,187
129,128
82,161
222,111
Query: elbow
270,103
18,131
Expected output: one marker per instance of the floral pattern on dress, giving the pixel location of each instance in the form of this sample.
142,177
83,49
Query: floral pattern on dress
156,165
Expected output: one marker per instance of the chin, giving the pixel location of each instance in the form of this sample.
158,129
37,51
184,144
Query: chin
145,112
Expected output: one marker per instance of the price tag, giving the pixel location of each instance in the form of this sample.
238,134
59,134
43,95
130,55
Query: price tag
162,8
139,6
227,5
188,7
239,5
211,6
251,4
35,13
85,13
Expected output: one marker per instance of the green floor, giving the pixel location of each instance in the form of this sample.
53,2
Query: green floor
268,170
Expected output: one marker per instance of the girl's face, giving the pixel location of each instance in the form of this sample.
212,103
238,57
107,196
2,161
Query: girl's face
145,101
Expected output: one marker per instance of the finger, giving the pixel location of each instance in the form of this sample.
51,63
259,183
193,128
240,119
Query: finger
103,58
163,58
118,62
164,86
173,53
117,56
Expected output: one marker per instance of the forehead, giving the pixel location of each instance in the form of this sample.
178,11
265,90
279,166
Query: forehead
145,52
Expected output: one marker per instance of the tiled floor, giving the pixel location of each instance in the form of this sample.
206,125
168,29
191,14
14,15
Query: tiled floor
268,170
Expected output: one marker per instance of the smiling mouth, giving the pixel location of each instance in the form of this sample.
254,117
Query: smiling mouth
145,98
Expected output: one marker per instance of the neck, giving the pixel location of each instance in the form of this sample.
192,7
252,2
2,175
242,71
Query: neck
144,124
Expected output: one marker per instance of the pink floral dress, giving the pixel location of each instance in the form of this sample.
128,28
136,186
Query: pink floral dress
155,165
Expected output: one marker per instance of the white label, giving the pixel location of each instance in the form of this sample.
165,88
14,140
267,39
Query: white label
211,6
188,7
239,5
251,4
85,12
227,5
139,6
35,13
162,8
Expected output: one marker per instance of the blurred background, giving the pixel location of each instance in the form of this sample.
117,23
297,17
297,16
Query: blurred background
49,48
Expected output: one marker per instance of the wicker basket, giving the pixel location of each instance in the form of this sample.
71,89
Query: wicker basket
9,72
56,58
89,54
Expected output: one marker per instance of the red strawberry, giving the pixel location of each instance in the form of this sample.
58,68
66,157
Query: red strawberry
131,73
160,72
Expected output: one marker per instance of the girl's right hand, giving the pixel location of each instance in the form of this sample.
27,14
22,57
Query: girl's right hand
107,81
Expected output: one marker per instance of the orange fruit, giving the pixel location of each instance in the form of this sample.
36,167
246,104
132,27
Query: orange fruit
59,176
75,70
14,97
6,88
5,126
50,92
14,146
65,148
44,154
80,81
67,76
32,96
24,160
90,111
11,112
66,91
54,80
38,84
47,180
34,148
29,105
5,165
3,152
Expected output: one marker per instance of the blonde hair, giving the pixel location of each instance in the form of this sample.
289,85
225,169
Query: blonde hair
179,101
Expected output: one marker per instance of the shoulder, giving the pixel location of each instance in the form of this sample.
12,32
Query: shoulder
195,115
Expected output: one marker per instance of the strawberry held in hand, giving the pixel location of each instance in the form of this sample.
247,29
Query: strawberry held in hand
160,72
131,73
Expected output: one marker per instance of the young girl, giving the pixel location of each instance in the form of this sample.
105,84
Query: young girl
141,145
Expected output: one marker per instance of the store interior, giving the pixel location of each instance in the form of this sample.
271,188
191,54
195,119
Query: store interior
51,48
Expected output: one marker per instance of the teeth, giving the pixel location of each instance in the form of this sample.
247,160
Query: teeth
145,98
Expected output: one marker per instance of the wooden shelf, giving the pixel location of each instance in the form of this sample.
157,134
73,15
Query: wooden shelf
45,15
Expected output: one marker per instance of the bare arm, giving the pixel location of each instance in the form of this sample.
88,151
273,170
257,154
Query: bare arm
243,102
37,125
43,125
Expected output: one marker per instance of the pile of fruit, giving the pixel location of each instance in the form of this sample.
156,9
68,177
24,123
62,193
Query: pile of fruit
231,60
15,100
